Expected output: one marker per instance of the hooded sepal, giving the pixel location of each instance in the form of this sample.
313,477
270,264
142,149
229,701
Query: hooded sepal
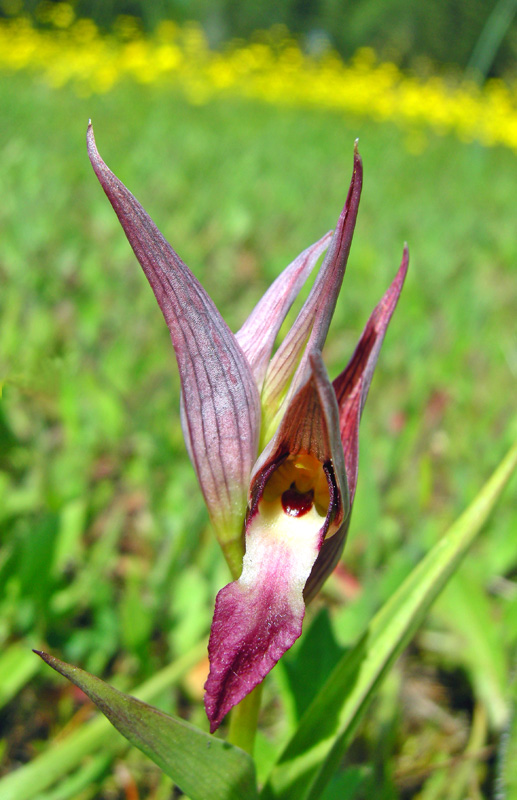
222,416
288,366
298,497
351,388
257,335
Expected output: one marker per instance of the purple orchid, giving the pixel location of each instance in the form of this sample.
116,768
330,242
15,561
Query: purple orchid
273,442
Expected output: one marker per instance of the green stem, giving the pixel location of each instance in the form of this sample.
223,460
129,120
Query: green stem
244,719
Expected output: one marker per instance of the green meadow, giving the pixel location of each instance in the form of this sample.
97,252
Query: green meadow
107,559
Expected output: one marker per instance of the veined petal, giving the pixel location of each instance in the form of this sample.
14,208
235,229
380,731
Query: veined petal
298,497
351,389
222,411
352,385
257,335
310,328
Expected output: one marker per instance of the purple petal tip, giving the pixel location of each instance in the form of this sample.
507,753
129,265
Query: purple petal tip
251,630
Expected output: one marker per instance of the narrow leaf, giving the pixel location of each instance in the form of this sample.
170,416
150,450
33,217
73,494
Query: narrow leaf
201,765
17,667
257,335
69,752
507,756
480,648
325,731
222,408
307,669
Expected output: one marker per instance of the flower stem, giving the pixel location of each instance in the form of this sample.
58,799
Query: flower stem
244,719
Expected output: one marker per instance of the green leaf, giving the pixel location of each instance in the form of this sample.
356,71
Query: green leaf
200,764
306,669
70,752
507,757
17,667
82,783
480,646
325,730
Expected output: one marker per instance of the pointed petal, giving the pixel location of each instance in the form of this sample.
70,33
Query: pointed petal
310,328
351,389
257,335
258,617
222,410
352,385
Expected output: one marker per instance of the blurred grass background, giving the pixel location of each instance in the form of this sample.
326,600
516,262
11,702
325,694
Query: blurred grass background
106,556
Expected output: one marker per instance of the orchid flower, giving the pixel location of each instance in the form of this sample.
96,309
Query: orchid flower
273,442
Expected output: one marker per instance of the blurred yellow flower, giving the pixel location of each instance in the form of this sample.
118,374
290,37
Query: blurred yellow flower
274,70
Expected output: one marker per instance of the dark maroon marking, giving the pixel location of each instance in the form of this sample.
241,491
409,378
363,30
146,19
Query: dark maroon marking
296,504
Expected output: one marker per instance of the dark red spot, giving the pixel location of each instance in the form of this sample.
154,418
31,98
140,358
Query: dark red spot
295,503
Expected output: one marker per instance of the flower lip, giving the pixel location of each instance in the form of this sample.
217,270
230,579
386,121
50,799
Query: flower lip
259,616
298,483
299,474
296,503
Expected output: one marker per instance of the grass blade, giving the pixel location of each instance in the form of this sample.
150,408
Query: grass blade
507,773
327,726
17,667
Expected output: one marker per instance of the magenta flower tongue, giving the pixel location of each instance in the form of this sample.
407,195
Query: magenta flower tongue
298,497
257,618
